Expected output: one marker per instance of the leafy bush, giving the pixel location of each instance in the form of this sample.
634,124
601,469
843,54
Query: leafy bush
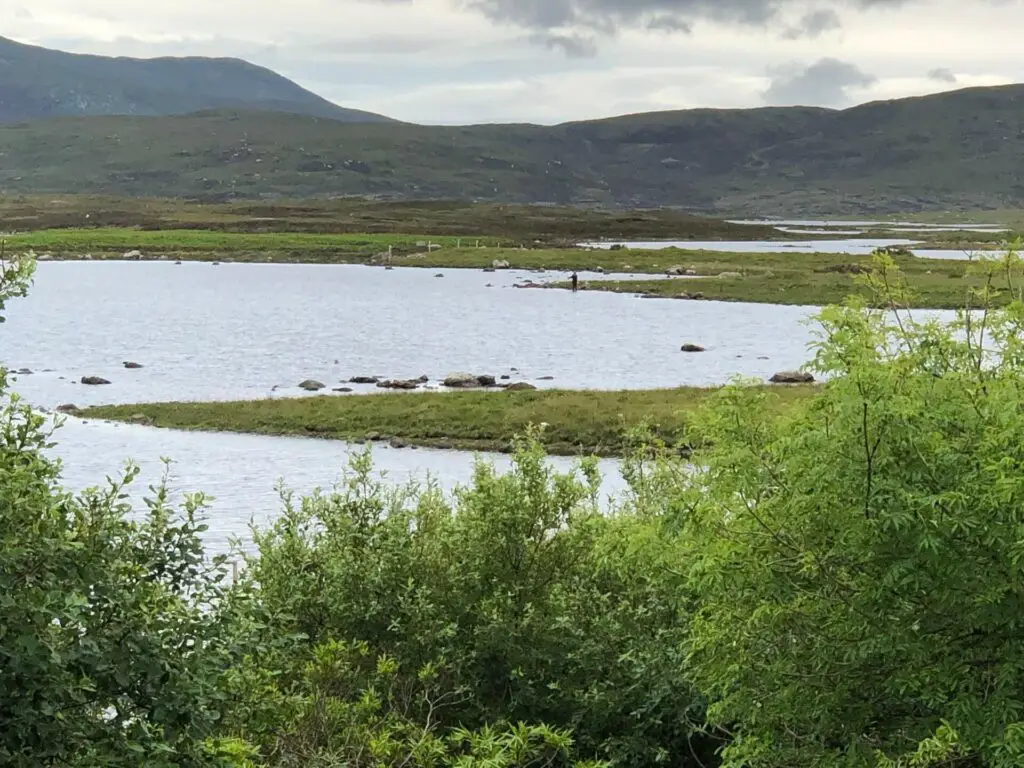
528,604
860,566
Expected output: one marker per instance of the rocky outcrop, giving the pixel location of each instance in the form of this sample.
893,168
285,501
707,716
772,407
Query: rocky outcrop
691,348
469,381
312,385
94,381
792,377
133,256
399,384
364,380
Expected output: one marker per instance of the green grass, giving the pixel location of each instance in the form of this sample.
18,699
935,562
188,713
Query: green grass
578,421
204,244
807,280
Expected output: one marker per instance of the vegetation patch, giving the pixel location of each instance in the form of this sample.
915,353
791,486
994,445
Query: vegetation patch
575,422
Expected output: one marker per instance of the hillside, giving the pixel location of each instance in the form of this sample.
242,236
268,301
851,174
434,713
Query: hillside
957,150
38,82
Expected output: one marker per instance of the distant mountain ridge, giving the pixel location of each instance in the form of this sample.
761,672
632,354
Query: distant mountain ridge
961,149
38,83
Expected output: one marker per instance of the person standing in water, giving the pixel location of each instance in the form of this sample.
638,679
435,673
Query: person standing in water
575,281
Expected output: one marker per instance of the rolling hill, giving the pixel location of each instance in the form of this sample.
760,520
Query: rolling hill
39,82
956,150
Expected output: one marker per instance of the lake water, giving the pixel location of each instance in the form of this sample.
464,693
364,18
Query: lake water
241,472
896,226
205,332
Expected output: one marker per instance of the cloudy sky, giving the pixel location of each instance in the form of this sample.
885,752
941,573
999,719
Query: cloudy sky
547,61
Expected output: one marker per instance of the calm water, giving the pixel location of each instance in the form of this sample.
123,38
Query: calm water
207,332
241,472
896,226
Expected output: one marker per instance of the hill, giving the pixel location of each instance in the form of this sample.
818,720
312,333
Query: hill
38,82
956,150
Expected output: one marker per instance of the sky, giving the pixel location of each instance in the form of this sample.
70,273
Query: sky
551,61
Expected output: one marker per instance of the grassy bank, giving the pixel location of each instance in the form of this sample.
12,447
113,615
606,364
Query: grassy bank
809,279
522,224
577,421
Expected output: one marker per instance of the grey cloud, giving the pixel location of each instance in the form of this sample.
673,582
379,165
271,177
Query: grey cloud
669,24
574,46
607,16
814,24
823,83
942,74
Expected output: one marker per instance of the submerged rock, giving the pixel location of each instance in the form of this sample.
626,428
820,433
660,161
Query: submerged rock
94,381
792,377
691,348
131,366
342,389
312,385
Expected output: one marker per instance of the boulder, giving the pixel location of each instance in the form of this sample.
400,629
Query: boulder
131,366
364,380
486,381
133,256
68,408
691,348
94,381
24,371
792,377
599,270
398,384
312,385
500,264
676,270
423,379
520,386
461,381
690,272
506,377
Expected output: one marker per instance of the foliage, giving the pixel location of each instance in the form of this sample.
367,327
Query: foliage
532,605
859,565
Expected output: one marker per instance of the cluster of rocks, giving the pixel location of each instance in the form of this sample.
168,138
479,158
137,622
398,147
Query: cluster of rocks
782,377
681,271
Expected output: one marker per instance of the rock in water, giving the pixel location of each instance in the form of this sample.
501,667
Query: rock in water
461,380
399,384
94,381
692,348
312,385
792,377
520,386
364,380
486,381
68,408
131,366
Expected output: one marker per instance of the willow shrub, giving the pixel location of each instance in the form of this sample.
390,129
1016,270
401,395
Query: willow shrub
860,567
518,600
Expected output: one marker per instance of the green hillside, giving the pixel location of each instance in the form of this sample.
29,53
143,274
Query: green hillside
37,83
957,150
